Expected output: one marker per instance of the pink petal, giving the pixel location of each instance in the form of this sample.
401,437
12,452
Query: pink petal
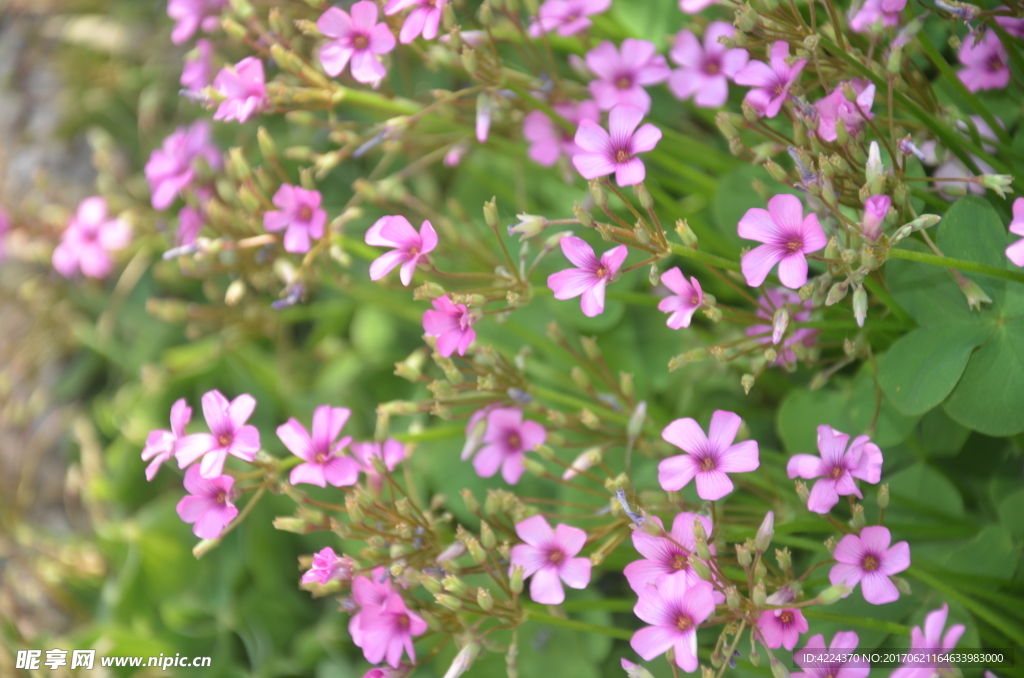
488,460
686,434
723,429
590,136
385,263
570,283
758,262
570,539
366,67
713,485
675,473
846,574
408,270
546,588
296,439
341,471
364,15
823,496
740,458
334,23
537,532
793,270
630,173
575,572
757,224
212,464
875,539
787,212
850,550
653,641
622,120
592,301
813,236
614,258
896,559
382,40
191,447
713,93
593,165
878,589
804,466
312,474
334,56
428,237
686,50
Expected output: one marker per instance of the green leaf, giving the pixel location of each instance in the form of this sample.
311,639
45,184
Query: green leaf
1011,513
922,489
991,554
941,436
990,396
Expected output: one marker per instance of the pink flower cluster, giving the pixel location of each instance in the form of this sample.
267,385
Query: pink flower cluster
89,239
499,437
384,626
172,167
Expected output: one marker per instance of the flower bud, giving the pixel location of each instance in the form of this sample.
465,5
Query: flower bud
776,171
685,233
487,537
454,585
745,18
779,669
431,584
860,305
975,295
534,467
837,293
491,213
580,377
635,670
883,496
583,462
583,215
765,533
600,195
759,596
702,570
732,598
589,419
469,60
529,225
858,521
472,505
725,125
784,559
484,599
876,209
643,195
833,594
451,602
743,555
902,584
801,491
464,659
515,582
780,321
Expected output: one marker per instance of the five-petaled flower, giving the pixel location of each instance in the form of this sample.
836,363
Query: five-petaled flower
388,629
452,324
623,72
868,559
709,457
986,63
771,83
422,20
229,434
602,153
838,661
568,16
357,38
323,462
300,213
243,88
668,555
781,627
506,440
161,445
391,452
705,70
684,303
931,640
836,467
410,247
89,239
209,504
787,236
590,277
674,609
548,556
836,107
327,566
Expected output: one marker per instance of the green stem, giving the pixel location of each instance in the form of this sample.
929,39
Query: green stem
863,622
959,264
878,290
1006,627
536,615
713,259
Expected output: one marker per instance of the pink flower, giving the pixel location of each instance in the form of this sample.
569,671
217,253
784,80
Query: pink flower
1016,251
89,239
876,209
623,73
787,237
452,324
549,141
358,38
196,73
568,16
985,61
603,153
170,168
837,467
695,6
367,593
867,559
1011,25
843,643
403,670
389,629
323,462
666,557
706,70
931,640
853,114
190,222
300,213
547,556
781,628
396,231
771,83
161,445
327,566
229,434
243,89
476,427
873,11
209,505
684,303
189,15
590,277
391,451
507,438
799,311
708,458
674,610
423,20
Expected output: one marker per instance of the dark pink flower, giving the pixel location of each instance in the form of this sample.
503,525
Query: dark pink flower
548,141
867,559
666,557
568,16
843,643
189,15
986,64
171,168
243,89
694,6
602,153
876,209
422,20
837,467
196,73
209,504
367,593
782,627
771,83
1013,26
547,556
799,311
787,237
396,231
675,610
390,451
322,456
89,239
229,434
706,70
590,277
389,629
853,114
931,640
684,303
300,213
622,73
161,445
709,457
873,12
357,37
327,566
506,440
452,324
1015,252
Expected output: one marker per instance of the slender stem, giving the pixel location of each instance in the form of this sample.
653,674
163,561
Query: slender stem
713,259
959,264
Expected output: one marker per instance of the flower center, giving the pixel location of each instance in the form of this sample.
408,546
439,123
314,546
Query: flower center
707,464
361,42
712,68
779,89
413,251
623,82
835,473
402,621
996,64
786,617
695,300
515,441
320,457
680,562
556,556
305,213
222,497
684,623
869,564
622,156
224,439
794,246
601,272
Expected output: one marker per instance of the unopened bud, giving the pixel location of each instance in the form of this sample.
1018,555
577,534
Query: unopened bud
579,377
747,382
860,305
600,195
589,419
643,196
784,558
765,533
515,582
833,594
725,125
454,585
534,467
732,598
583,215
472,505
702,570
491,213
902,584
685,233
745,18
450,602
776,171
759,595
585,461
837,293
801,491
780,322
743,556
858,521
883,496
487,537
469,60
779,669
